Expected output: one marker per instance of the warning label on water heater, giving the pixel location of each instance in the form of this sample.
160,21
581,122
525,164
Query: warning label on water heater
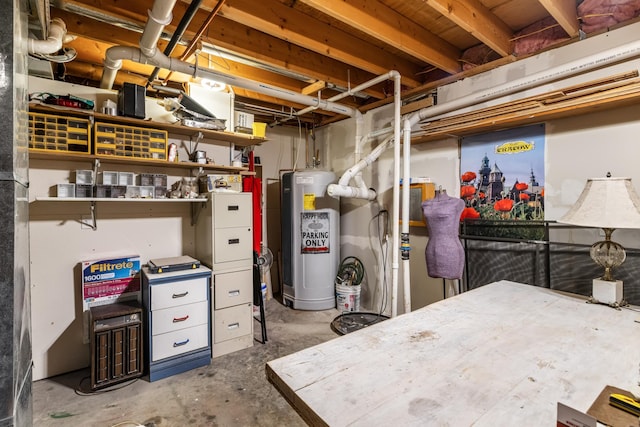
314,228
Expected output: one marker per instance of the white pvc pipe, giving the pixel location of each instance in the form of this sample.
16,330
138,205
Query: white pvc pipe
379,79
53,43
353,172
406,178
338,190
113,62
159,17
396,196
578,66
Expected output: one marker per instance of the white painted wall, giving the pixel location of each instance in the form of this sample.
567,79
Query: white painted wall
151,230
577,148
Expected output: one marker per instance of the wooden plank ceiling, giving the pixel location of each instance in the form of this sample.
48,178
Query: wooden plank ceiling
317,46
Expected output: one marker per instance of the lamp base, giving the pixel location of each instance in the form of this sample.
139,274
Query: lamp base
608,292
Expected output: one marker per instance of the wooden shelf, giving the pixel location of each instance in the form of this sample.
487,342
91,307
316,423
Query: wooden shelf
75,157
239,139
118,199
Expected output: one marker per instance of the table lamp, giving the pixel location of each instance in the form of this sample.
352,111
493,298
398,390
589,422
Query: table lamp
606,203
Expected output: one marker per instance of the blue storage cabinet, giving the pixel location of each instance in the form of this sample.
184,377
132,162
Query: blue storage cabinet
178,321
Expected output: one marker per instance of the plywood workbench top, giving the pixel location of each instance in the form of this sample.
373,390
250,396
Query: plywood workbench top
502,354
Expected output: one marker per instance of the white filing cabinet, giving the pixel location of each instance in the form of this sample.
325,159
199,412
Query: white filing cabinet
224,241
178,320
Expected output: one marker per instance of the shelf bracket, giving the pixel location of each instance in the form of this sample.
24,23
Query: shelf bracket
93,224
195,211
96,167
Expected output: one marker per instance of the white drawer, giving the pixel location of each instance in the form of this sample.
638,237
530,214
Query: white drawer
233,288
232,322
232,210
232,244
180,317
178,342
178,293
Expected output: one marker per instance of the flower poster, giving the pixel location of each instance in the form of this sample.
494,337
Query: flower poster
502,174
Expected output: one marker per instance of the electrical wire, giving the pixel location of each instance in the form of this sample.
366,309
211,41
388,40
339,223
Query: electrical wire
80,392
382,217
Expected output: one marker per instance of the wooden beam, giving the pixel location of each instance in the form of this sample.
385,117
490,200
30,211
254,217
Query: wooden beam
278,20
565,13
270,51
418,105
388,26
477,20
314,88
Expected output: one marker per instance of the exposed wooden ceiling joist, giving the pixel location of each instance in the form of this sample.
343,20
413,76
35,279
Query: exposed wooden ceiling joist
322,47
564,11
295,27
392,29
478,21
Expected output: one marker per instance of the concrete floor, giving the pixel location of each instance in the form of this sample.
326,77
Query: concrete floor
231,391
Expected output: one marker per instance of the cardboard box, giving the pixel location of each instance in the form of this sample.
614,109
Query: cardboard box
105,281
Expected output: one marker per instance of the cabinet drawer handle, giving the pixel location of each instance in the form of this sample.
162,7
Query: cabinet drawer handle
234,241
233,207
180,319
234,293
233,325
181,343
184,294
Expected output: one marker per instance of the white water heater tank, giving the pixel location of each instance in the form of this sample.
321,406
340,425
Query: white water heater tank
310,240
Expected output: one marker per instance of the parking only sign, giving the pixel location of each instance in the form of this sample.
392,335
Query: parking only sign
314,228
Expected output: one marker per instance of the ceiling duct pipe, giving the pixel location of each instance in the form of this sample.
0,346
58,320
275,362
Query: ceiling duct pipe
193,8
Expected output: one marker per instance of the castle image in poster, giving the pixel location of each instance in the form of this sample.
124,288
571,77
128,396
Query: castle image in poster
511,191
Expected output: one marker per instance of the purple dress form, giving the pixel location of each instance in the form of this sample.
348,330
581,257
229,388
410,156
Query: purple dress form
444,253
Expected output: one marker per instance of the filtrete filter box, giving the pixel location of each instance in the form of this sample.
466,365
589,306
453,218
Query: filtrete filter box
105,281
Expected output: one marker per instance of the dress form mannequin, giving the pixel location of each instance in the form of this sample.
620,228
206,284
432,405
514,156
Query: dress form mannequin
444,253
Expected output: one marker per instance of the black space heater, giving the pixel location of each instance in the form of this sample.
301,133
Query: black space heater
131,101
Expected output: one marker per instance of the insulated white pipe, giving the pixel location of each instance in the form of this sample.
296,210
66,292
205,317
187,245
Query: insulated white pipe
53,43
406,248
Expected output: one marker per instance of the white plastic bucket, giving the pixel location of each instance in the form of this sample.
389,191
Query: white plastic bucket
348,297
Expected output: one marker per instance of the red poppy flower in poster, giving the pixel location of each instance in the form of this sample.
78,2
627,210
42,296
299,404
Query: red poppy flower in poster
542,193
524,197
468,176
467,190
504,205
521,186
469,213
481,195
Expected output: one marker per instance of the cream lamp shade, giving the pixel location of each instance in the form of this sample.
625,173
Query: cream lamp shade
606,203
